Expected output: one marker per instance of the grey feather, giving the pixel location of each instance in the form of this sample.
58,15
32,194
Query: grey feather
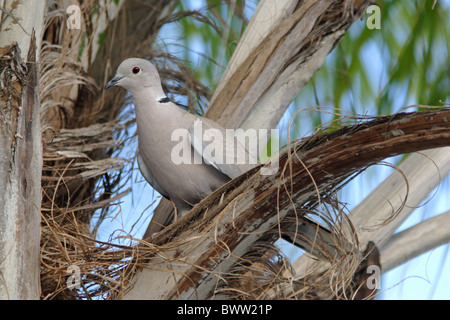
149,177
206,135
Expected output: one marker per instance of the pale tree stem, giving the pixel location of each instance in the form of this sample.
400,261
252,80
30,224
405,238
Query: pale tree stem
416,240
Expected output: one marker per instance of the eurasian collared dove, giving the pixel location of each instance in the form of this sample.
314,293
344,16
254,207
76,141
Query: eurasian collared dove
159,123
164,129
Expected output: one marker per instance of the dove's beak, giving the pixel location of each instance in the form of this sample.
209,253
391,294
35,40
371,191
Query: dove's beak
113,82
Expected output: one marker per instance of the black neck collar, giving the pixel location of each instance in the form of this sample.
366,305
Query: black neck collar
164,100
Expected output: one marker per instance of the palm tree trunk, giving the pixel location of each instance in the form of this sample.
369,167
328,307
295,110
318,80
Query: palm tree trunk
20,147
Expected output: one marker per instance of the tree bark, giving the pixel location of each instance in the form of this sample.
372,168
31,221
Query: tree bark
20,149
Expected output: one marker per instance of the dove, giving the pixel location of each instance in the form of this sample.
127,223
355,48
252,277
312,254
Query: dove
163,128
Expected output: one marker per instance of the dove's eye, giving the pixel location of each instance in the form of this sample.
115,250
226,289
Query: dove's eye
136,70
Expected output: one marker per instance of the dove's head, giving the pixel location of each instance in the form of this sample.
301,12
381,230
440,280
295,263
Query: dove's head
137,75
